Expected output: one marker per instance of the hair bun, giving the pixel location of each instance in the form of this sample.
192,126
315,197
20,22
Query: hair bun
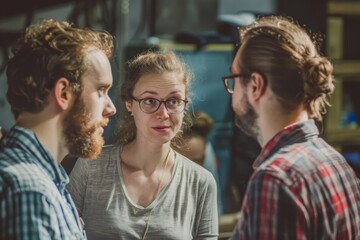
318,79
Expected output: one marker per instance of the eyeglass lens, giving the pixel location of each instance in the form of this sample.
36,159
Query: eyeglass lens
230,84
173,105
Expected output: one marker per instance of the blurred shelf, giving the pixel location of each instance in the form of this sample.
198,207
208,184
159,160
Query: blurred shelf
344,70
227,224
346,67
343,8
343,136
166,44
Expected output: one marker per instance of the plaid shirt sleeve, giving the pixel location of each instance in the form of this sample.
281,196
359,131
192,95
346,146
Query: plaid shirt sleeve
28,215
269,205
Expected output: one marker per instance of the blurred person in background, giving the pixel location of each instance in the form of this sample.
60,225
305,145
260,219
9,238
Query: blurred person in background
196,138
199,149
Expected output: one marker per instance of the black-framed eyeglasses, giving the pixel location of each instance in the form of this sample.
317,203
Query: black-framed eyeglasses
151,105
229,82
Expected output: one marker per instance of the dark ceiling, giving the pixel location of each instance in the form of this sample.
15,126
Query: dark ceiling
9,8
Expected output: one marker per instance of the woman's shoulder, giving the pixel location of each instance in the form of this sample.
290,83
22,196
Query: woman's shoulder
108,153
110,150
192,168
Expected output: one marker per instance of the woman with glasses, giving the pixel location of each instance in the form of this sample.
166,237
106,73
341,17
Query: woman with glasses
140,188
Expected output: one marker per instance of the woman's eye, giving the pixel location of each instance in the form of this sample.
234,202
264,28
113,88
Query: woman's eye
173,101
149,101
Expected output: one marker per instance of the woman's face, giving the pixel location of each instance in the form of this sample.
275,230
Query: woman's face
160,126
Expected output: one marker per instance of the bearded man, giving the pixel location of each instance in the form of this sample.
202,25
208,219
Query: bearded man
58,82
301,187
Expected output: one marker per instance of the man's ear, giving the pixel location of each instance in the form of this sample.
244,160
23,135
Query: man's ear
257,85
62,93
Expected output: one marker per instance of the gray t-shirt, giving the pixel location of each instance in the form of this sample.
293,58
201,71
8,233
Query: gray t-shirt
185,209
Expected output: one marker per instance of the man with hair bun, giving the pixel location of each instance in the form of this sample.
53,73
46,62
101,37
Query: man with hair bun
301,187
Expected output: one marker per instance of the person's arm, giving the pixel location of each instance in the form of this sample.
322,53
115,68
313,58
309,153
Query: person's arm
207,214
273,208
30,215
78,182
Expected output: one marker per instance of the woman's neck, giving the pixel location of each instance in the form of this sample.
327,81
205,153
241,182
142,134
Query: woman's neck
146,157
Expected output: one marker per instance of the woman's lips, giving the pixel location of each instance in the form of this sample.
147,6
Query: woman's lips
161,128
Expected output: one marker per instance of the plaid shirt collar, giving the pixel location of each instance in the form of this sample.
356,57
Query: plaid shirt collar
294,133
25,140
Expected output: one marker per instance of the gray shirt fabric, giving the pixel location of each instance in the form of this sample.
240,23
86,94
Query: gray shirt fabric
184,209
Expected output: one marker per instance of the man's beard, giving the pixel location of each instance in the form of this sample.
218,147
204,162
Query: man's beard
247,121
83,138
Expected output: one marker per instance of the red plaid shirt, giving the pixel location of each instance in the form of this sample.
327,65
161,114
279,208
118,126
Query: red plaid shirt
301,189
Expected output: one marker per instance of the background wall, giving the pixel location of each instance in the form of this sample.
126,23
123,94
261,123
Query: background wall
140,24
127,20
